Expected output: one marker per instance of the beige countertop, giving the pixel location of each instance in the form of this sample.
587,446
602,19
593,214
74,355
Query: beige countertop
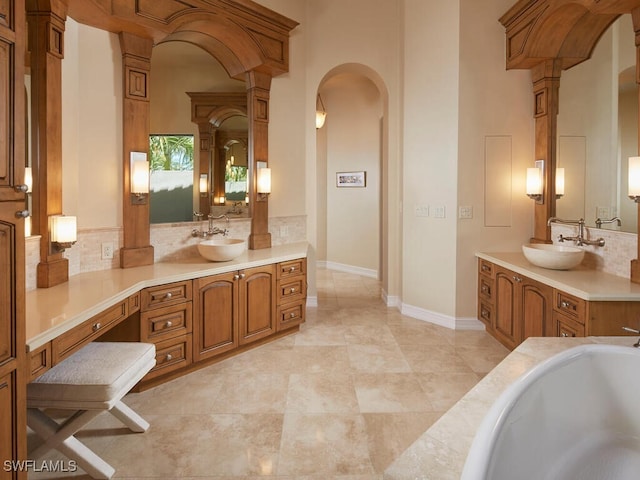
590,285
52,311
440,452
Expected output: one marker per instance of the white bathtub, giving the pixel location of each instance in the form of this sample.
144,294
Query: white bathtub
574,416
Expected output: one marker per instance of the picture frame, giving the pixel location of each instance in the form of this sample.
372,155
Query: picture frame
351,179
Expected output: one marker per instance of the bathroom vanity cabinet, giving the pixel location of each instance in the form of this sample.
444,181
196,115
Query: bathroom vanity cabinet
194,321
513,306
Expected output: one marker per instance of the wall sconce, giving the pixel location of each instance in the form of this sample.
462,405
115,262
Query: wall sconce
634,179
62,232
535,181
559,183
321,114
139,178
204,185
263,181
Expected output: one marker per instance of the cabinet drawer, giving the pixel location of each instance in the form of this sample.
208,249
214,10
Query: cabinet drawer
172,354
39,361
486,268
485,288
164,295
566,327
485,313
292,268
291,314
166,322
68,343
569,305
291,289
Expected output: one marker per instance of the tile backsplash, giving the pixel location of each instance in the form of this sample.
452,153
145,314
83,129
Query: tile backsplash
616,255
170,241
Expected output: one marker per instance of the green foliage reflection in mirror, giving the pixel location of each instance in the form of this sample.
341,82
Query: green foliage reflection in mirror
171,165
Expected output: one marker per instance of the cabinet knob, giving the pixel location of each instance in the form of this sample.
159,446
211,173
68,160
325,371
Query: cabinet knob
292,315
517,279
564,334
292,290
168,357
22,213
168,296
96,326
168,324
242,275
292,269
484,289
22,188
236,277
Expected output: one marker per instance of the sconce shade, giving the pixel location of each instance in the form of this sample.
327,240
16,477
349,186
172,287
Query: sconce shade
634,178
321,114
264,180
28,178
320,118
63,229
534,181
139,173
559,182
204,183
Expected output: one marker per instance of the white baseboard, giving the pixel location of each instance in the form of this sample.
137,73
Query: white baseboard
441,319
390,300
341,267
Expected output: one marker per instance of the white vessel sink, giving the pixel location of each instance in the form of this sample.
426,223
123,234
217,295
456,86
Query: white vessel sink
222,249
554,257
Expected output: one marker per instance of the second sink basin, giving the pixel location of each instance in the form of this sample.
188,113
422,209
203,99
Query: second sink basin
554,257
222,249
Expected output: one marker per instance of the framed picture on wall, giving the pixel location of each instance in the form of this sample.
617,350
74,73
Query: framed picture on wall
351,179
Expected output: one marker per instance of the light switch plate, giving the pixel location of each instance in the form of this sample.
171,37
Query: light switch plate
465,212
439,212
422,210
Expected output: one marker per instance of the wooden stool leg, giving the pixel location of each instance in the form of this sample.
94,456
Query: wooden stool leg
130,418
61,438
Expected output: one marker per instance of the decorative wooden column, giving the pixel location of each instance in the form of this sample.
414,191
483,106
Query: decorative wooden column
46,20
546,86
258,87
635,263
136,58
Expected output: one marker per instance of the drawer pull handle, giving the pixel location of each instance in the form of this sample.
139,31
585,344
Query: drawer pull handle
24,188
96,326
292,269
292,315
22,213
565,304
242,275
168,296
236,277
168,324
292,290
168,357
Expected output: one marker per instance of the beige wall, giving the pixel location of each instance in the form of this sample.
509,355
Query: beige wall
92,127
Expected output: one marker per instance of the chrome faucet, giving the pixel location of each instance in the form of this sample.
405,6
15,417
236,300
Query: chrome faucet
212,230
580,239
617,220
633,330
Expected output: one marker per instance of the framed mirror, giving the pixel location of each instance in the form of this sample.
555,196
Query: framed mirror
179,68
598,131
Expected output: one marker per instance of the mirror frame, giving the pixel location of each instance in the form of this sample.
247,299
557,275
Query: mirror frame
249,40
547,37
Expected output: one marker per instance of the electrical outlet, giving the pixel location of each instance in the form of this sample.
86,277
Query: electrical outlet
107,250
439,212
465,212
421,210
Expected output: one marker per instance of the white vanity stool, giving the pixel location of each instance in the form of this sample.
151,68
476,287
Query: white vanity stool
92,380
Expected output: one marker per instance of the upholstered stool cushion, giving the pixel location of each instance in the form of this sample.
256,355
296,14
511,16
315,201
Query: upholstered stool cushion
95,377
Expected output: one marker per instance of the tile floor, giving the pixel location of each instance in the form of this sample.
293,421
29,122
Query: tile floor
341,399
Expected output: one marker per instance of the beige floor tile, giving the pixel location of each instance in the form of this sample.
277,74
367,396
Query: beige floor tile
341,399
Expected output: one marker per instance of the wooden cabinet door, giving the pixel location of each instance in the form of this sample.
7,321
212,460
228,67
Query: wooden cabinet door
536,309
215,305
257,303
506,321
